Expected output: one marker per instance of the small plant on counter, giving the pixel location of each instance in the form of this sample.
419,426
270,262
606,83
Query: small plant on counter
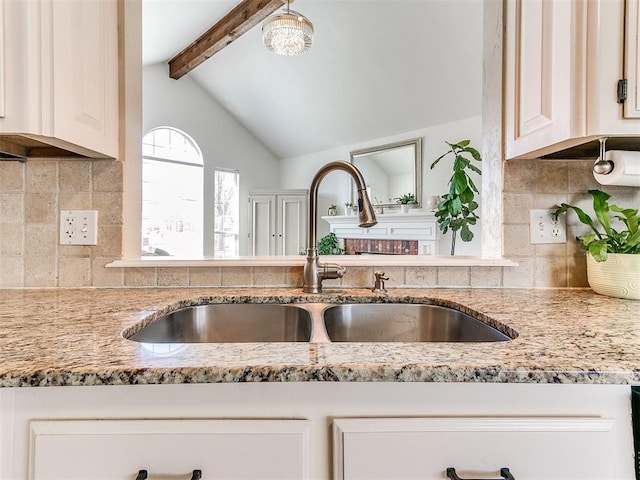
405,199
457,209
329,245
607,239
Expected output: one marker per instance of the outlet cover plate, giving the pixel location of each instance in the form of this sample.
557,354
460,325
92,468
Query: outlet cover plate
544,229
78,227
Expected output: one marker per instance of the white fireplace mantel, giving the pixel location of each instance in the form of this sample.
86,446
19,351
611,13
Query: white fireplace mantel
415,225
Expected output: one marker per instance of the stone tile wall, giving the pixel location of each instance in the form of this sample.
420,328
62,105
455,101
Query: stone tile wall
32,194
543,184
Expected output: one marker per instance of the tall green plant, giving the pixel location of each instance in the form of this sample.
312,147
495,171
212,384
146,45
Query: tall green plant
457,209
609,240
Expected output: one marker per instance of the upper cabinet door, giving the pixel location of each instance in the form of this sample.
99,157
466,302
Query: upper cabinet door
563,61
84,54
538,74
59,71
632,59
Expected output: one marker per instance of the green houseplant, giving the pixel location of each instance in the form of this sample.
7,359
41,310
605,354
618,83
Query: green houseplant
613,245
457,208
405,199
329,245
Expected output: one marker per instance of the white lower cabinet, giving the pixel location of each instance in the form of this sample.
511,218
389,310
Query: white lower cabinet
283,430
120,449
424,448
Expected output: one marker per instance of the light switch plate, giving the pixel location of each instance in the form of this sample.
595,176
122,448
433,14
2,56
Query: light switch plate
78,227
545,229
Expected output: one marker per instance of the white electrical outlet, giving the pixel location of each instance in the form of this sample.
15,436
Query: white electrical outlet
78,227
545,229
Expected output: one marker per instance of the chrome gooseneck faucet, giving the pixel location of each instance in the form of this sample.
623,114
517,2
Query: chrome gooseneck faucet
314,272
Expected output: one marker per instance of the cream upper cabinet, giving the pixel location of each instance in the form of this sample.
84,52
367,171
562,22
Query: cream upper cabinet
563,61
538,74
59,75
632,59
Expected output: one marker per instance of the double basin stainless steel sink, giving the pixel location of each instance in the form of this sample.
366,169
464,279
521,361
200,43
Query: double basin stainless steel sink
317,322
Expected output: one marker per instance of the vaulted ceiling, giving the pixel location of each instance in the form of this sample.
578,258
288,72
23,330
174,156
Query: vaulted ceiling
376,68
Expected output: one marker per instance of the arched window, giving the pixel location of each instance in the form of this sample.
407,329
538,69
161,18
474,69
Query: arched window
172,198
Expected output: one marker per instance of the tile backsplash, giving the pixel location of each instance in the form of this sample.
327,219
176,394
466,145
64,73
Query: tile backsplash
31,196
33,193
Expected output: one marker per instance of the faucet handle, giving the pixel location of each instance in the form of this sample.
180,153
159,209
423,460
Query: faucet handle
378,286
380,275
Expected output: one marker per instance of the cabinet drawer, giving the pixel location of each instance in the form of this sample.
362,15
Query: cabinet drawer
423,448
118,449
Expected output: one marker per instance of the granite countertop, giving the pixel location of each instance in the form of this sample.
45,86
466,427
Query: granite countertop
73,337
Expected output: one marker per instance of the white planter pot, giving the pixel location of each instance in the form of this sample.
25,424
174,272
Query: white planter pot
618,276
404,208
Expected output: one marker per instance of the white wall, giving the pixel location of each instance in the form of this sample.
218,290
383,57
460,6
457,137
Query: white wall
224,142
297,172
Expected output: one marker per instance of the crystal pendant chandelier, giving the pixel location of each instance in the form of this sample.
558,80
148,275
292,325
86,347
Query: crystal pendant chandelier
287,33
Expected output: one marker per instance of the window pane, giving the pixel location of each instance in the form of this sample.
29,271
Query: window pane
171,144
226,213
172,201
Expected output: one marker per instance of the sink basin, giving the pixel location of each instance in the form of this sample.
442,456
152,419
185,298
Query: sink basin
405,323
229,323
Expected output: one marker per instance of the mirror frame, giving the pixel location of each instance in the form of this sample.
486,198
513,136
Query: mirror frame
417,166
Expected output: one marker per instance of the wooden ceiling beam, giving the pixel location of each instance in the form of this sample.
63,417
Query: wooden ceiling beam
238,21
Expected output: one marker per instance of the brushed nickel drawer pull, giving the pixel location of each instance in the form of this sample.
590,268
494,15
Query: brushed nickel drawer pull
504,474
143,475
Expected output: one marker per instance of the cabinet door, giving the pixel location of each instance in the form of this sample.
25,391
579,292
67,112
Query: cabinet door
292,223
262,225
537,74
632,59
557,448
118,449
84,57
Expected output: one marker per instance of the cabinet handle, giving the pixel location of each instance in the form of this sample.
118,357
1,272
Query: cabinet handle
143,475
504,474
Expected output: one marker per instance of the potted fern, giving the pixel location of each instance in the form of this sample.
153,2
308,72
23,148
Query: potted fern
404,201
613,246
457,208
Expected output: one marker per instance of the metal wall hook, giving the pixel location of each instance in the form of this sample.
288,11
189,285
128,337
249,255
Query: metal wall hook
602,165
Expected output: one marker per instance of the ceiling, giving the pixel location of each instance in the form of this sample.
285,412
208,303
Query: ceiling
377,68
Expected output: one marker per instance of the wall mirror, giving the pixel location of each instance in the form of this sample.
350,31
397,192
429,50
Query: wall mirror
394,95
391,171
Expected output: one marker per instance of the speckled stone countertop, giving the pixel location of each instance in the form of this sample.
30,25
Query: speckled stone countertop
73,337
